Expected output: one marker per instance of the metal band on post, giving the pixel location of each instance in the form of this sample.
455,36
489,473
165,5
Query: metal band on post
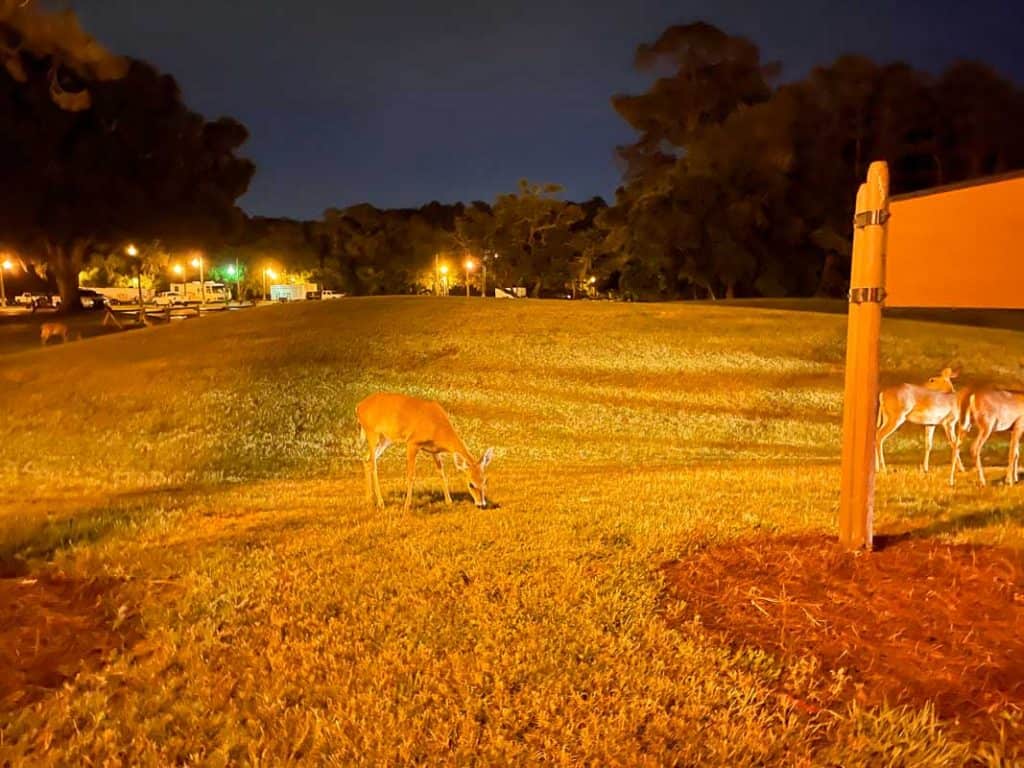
874,218
867,295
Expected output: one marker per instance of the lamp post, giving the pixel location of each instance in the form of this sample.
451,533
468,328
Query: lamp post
267,272
198,262
132,251
5,267
469,268
444,278
235,272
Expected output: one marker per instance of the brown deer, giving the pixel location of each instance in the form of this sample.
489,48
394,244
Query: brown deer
933,405
423,426
52,331
995,410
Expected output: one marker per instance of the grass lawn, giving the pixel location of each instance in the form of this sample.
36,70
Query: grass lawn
206,474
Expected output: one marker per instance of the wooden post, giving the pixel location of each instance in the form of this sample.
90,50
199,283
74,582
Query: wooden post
860,400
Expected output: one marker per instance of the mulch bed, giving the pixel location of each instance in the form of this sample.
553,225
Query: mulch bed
51,628
914,621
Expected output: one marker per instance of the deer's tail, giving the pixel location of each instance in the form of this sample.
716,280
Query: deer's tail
965,417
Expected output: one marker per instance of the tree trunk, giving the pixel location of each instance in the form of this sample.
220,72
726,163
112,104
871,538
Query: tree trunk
535,291
67,260
730,290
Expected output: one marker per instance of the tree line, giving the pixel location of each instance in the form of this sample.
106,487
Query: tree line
738,183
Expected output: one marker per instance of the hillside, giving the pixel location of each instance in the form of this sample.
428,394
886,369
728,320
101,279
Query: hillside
207,474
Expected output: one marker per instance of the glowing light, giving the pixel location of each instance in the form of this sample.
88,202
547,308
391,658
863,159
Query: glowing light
272,274
197,261
231,270
592,280
469,265
8,265
444,269
131,250
178,269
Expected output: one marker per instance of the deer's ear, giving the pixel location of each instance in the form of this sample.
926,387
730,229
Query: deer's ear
460,463
947,373
486,458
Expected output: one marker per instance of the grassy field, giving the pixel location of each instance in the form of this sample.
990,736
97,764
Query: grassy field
211,469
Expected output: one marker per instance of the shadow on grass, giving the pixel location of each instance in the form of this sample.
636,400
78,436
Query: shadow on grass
979,519
25,540
1007,319
36,537
432,502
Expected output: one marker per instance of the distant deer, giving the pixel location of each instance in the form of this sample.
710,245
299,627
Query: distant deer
996,410
53,330
933,405
423,426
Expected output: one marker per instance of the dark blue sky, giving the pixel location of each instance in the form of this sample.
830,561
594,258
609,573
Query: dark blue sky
398,103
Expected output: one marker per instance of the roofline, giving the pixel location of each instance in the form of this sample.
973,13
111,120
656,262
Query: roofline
977,182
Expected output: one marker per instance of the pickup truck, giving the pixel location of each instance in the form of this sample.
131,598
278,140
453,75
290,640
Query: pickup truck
329,294
28,299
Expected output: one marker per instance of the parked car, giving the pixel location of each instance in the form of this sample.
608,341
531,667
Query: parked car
168,299
90,299
35,300
329,294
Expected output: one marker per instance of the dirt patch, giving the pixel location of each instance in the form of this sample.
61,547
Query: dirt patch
52,627
914,621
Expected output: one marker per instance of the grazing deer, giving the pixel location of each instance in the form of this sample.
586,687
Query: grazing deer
996,410
53,330
933,405
423,426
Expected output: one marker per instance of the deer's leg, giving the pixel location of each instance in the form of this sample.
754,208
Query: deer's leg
444,478
950,430
382,446
370,463
929,441
377,444
410,470
1011,467
889,425
984,430
363,440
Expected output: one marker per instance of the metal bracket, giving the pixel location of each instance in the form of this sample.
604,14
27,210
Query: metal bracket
870,218
867,295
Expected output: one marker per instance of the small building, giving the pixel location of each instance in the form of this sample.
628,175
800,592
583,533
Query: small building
294,291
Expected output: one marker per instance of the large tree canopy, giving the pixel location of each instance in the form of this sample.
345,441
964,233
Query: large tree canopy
737,187
138,165
74,57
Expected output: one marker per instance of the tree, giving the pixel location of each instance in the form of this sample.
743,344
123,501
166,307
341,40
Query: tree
27,33
703,75
532,231
137,166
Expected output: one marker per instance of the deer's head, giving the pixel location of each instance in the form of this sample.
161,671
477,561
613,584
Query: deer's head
944,381
476,475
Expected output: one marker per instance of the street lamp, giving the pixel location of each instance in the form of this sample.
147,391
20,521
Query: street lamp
469,268
235,272
267,272
6,266
132,251
444,278
198,262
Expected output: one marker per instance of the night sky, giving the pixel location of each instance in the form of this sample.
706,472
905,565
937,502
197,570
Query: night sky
398,103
